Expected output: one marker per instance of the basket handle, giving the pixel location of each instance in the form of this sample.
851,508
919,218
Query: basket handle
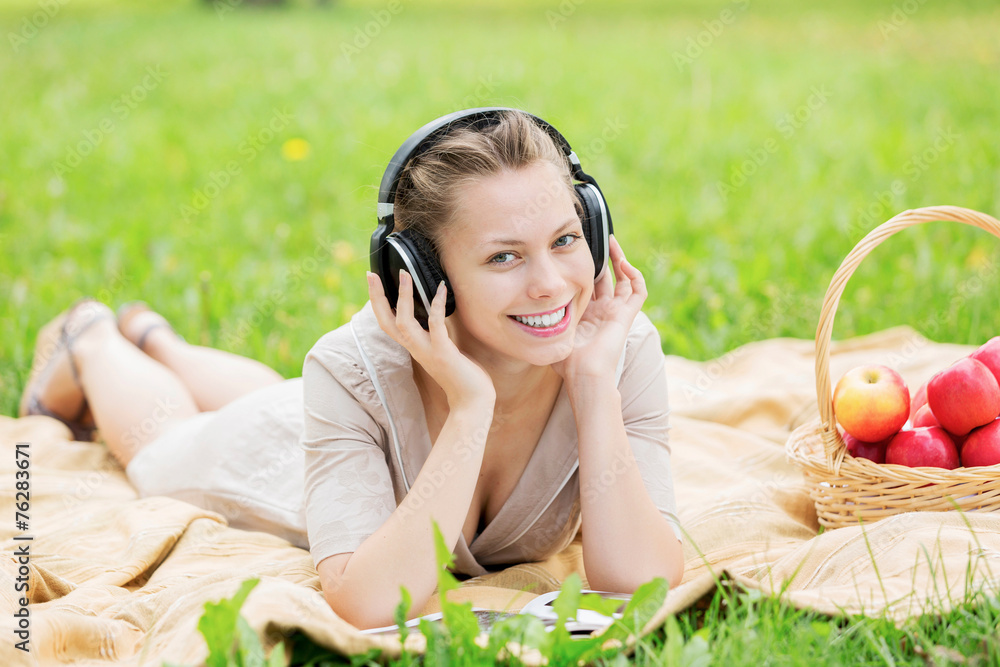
833,444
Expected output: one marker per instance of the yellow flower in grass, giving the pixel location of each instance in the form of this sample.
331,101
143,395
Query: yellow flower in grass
977,259
343,252
295,149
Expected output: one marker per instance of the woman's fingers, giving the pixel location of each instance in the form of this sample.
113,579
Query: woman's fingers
603,288
404,304
623,285
636,278
435,319
632,282
401,326
380,305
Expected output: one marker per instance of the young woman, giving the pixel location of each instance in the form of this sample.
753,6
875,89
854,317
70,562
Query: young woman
536,408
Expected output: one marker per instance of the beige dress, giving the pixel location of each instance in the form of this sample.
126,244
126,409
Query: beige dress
318,460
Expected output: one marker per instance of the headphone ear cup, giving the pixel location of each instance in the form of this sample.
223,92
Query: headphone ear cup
412,252
596,225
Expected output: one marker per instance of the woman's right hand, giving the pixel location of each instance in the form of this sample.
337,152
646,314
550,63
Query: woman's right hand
462,379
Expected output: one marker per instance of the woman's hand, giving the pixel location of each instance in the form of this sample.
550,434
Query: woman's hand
601,333
461,378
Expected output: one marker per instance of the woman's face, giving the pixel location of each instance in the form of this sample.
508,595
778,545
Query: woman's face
519,266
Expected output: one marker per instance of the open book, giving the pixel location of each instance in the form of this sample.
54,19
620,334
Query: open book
585,622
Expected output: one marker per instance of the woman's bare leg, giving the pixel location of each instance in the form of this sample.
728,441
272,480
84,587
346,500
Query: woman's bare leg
213,377
133,398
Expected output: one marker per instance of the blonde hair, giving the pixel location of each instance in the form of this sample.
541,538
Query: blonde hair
426,196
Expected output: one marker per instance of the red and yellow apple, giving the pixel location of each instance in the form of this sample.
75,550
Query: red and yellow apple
871,402
927,446
963,396
982,446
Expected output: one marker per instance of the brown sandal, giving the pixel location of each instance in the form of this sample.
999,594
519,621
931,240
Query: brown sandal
42,369
129,310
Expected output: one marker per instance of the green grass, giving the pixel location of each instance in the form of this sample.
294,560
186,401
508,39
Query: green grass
276,257
729,627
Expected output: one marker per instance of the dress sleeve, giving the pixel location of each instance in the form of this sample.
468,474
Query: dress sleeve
645,411
348,485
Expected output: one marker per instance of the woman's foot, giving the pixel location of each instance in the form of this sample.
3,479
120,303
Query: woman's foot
141,325
53,388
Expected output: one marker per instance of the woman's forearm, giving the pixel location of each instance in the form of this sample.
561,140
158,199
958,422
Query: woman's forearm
401,552
626,541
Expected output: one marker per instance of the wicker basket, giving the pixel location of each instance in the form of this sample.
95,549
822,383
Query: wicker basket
848,490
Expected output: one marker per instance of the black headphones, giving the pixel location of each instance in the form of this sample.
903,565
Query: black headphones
391,251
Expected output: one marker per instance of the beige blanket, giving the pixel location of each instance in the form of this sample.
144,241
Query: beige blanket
119,580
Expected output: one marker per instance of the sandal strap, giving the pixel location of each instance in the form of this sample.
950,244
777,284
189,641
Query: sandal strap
80,433
141,343
125,312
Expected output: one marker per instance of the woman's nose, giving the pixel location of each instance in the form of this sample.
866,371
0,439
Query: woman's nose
545,279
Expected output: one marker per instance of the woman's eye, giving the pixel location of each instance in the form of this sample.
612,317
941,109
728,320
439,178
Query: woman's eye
566,240
501,258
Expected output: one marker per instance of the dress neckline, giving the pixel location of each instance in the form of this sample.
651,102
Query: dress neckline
551,465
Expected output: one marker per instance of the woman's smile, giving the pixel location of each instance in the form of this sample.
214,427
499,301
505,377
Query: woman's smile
546,324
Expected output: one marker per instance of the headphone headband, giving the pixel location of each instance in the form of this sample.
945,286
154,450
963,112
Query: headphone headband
421,140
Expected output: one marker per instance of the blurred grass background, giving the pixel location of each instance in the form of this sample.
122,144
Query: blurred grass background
221,161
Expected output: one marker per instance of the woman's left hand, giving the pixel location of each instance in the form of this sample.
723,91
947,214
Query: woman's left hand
601,332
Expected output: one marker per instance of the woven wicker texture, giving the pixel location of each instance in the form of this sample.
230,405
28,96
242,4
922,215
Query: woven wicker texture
847,490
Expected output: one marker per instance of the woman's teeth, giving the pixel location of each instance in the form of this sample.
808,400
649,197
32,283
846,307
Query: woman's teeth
542,321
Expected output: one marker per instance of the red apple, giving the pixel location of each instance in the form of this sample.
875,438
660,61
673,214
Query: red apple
927,446
859,449
982,446
963,396
959,440
918,401
925,417
989,354
871,402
